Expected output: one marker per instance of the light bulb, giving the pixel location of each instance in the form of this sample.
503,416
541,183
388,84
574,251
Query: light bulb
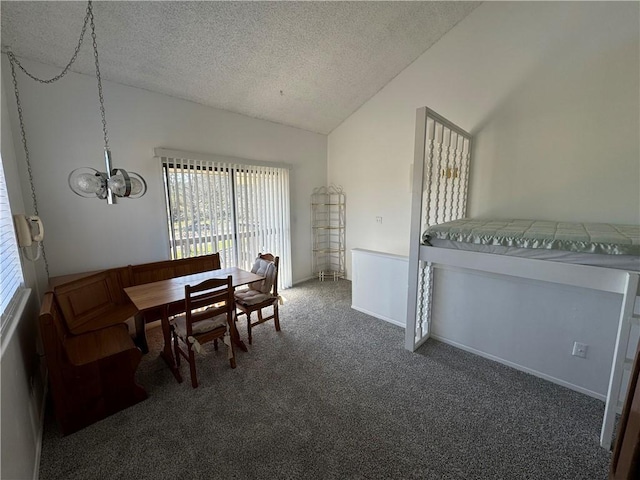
117,185
86,182
136,186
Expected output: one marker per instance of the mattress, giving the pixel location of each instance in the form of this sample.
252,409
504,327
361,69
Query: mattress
599,244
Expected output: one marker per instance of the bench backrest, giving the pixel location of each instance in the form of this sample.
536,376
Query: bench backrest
157,271
93,302
53,329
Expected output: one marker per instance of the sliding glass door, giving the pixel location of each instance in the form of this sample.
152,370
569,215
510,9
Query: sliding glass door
237,210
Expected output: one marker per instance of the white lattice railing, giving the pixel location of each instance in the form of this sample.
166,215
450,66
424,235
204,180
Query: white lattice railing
440,185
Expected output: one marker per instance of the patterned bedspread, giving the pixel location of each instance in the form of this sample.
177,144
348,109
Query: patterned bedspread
601,238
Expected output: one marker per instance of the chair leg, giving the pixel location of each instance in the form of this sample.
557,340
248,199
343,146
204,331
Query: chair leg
215,344
249,326
192,367
232,360
276,318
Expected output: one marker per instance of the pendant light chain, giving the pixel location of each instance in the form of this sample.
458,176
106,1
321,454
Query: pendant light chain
65,70
98,76
26,154
13,61
85,181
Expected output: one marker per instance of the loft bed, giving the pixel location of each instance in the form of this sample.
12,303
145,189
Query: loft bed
600,257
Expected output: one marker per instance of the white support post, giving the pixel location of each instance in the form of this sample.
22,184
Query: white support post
414,244
439,185
619,357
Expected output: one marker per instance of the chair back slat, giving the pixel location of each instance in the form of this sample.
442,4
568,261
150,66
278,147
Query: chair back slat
215,293
205,299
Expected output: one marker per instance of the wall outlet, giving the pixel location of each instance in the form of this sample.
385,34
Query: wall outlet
580,350
378,219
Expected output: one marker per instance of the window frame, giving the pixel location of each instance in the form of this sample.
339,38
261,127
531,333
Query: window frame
12,302
277,218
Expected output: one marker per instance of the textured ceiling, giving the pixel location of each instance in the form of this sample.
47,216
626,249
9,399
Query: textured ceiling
305,64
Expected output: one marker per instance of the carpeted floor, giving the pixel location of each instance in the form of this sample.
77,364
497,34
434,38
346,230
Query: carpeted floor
336,396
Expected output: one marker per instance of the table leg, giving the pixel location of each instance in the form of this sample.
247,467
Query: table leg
167,353
235,335
141,335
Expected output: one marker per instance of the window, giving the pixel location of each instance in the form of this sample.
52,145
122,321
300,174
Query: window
11,279
221,205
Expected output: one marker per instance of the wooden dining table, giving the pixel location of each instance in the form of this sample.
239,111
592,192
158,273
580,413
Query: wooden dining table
169,293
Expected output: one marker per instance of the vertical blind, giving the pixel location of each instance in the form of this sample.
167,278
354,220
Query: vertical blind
235,209
10,268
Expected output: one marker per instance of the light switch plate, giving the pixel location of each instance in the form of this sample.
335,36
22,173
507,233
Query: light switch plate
580,350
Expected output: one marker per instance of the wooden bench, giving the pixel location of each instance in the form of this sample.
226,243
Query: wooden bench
90,356
94,300
92,374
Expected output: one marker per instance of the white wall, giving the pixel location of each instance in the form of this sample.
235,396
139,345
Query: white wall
65,132
379,285
550,92
22,385
530,325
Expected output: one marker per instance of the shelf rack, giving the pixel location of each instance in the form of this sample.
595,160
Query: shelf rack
328,214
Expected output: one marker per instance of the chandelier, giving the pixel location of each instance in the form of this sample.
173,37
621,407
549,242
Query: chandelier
86,181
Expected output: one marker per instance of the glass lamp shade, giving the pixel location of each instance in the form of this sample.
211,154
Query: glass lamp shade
138,185
118,183
119,180
87,182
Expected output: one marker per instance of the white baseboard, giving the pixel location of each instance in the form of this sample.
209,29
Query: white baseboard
544,376
377,315
315,277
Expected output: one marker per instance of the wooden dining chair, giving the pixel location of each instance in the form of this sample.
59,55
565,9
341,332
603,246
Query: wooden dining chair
209,315
261,294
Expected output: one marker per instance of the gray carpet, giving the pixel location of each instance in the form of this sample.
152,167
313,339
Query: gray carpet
336,396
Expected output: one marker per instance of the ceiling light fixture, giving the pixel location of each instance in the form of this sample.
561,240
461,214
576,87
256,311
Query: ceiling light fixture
85,181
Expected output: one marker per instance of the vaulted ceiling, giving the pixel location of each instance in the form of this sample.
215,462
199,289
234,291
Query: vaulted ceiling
305,64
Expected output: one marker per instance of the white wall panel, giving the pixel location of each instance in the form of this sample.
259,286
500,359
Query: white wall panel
379,285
